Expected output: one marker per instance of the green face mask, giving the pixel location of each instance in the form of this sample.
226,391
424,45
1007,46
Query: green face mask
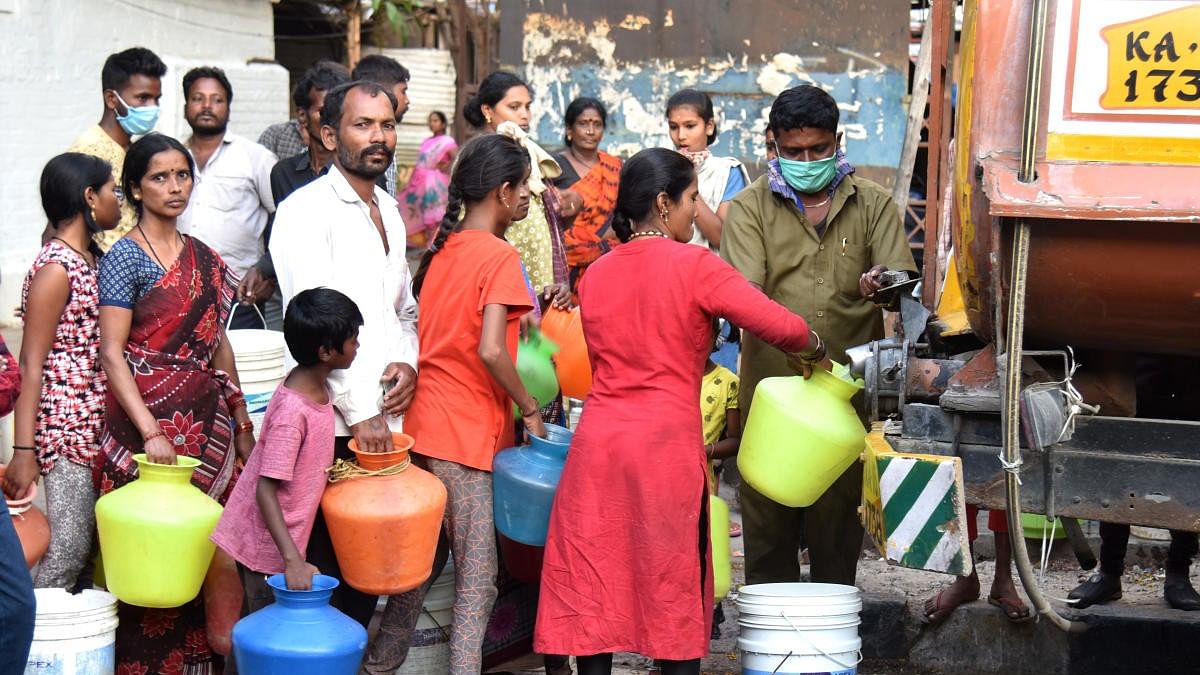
808,177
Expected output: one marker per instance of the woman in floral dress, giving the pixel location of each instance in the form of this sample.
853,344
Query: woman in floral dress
61,406
173,389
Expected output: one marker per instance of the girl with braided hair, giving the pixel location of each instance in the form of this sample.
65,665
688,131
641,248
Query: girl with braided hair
471,295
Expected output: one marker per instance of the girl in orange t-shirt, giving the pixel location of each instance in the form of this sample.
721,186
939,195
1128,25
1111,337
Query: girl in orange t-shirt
471,295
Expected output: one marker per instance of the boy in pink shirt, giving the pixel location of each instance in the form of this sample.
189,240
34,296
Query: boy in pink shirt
270,515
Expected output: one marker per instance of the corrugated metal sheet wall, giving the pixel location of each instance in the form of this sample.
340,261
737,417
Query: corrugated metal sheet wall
430,88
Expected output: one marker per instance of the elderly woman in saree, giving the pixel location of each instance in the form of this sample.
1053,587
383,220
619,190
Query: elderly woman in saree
592,175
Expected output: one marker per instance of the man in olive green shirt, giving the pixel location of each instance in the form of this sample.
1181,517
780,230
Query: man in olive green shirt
815,238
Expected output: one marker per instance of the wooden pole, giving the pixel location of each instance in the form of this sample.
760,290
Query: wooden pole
916,120
353,33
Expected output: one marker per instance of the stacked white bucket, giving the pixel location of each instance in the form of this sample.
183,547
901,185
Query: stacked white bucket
258,355
786,629
430,647
73,634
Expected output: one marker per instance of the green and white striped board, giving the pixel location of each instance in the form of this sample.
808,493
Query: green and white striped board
915,509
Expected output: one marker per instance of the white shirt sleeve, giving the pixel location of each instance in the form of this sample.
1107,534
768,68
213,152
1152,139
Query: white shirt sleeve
406,347
262,164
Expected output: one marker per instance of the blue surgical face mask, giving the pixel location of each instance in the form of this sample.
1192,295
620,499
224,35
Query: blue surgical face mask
137,121
808,177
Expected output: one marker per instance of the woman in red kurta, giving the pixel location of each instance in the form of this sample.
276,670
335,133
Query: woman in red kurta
627,563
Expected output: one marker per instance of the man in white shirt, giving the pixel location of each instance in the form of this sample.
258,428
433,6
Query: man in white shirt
342,231
231,202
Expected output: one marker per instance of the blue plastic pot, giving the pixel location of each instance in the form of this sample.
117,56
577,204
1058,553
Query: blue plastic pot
300,634
523,483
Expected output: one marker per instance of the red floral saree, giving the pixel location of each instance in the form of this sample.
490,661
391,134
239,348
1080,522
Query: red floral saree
175,332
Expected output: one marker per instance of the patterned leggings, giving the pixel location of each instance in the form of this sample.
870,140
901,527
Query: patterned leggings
71,510
473,543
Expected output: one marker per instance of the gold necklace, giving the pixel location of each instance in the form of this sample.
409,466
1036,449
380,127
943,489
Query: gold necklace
647,233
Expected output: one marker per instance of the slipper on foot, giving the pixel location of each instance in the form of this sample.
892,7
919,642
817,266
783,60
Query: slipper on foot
1016,610
940,611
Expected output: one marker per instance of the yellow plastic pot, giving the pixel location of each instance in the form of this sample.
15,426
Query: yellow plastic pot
800,436
718,520
154,535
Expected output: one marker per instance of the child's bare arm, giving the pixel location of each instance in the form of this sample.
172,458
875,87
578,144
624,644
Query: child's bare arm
297,572
728,446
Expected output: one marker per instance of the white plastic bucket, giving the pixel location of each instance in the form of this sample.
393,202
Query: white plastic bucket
258,355
73,634
430,650
788,629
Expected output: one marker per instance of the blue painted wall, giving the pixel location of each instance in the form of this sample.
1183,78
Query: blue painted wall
634,56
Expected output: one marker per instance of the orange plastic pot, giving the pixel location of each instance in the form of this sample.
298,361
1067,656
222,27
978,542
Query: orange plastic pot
32,527
571,363
384,524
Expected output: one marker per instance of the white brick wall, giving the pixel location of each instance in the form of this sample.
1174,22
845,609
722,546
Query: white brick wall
54,50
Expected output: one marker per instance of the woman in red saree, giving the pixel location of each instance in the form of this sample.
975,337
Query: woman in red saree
590,235
173,387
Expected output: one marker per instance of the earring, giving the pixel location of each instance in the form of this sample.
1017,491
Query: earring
487,118
570,138
504,202
663,215
93,215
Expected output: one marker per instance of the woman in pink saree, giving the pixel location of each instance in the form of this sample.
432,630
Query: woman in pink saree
423,201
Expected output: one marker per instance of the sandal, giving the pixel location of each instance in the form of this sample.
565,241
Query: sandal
940,612
735,531
1013,607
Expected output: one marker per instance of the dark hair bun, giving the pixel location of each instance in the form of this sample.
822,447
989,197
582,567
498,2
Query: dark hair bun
473,112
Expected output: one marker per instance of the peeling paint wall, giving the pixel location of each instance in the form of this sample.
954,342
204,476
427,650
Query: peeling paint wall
634,55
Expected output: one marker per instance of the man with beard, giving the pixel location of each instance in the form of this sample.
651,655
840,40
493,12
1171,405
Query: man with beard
231,202
386,71
342,231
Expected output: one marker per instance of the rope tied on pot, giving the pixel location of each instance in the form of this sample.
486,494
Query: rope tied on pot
343,469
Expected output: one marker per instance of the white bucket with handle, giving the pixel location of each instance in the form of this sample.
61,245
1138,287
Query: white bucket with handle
258,355
793,628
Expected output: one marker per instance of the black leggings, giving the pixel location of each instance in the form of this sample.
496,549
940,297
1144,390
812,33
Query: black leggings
601,664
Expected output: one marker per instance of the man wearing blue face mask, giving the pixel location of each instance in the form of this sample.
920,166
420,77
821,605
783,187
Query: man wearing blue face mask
131,86
816,239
